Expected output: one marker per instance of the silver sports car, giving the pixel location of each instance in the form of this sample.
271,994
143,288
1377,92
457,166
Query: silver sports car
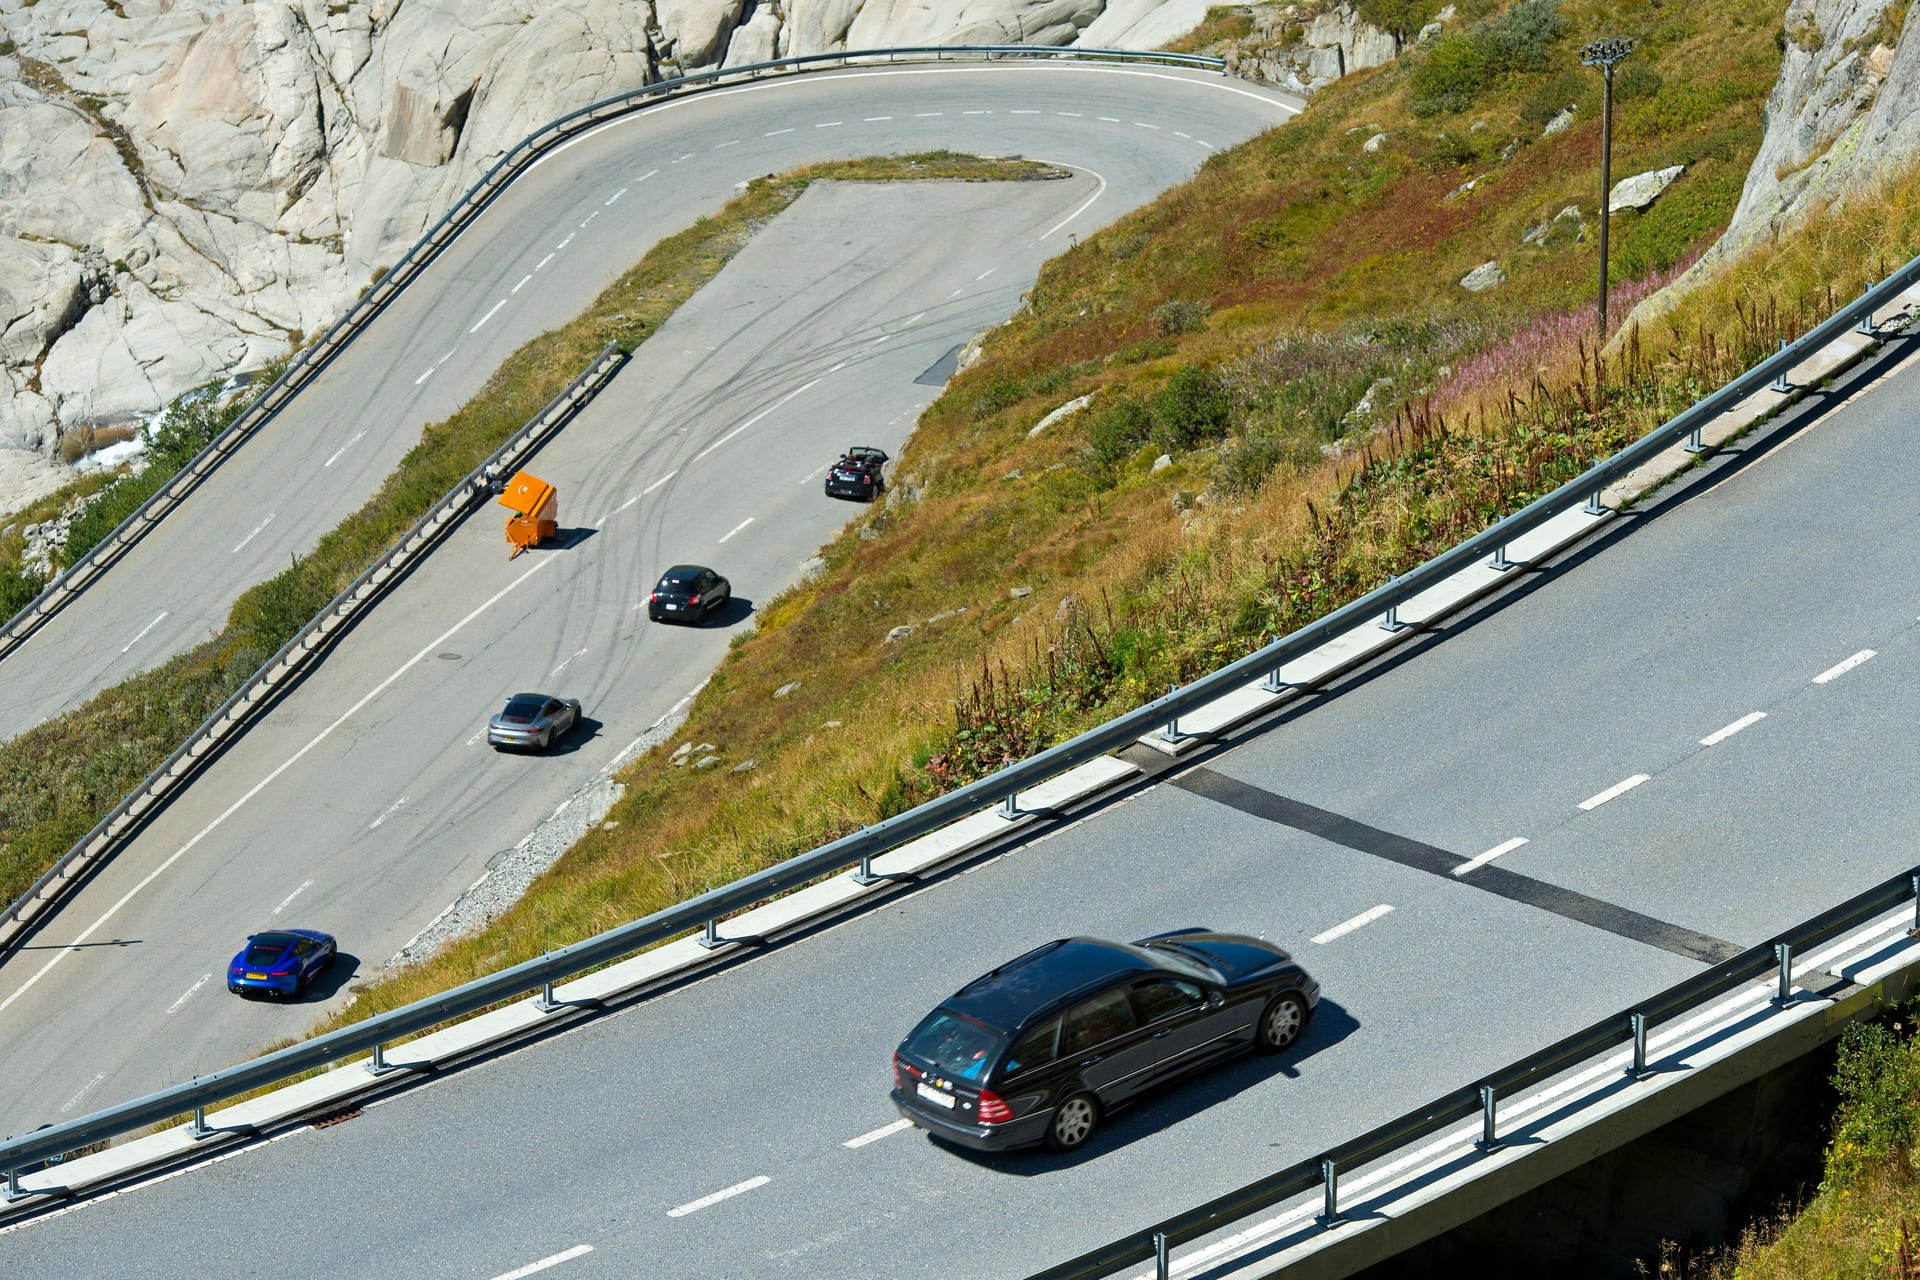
533,720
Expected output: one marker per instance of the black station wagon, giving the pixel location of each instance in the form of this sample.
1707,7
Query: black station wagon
1042,1047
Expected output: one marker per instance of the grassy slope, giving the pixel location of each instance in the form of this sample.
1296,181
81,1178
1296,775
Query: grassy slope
1260,300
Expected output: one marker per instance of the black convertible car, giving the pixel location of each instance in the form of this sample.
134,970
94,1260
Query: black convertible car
860,474
1042,1047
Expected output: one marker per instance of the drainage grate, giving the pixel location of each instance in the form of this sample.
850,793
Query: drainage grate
337,1117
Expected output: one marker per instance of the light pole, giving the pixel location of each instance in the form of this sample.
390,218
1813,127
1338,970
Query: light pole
1605,54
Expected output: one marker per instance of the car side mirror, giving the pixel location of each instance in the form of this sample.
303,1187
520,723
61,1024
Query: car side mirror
1215,999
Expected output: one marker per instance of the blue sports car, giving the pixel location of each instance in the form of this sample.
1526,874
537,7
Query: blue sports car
281,962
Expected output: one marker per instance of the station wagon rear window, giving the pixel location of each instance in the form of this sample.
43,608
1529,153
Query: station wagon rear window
955,1045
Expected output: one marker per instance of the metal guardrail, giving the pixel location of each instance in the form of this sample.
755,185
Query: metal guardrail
1001,788
311,360
125,818
1629,1026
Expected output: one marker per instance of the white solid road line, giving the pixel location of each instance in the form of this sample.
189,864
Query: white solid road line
1507,846
883,1131
1098,191
262,785
1615,791
1360,921
205,978
534,1268
308,884
1839,669
351,441
255,531
143,632
695,1206
1719,736
737,528
490,315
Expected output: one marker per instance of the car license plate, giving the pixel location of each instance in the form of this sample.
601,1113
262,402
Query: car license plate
261,977
934,1095
672,608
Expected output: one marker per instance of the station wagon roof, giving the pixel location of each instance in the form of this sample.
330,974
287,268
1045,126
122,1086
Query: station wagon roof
1010,994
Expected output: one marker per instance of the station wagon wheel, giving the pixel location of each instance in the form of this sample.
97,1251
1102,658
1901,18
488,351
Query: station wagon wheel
1281,1021
1073,1122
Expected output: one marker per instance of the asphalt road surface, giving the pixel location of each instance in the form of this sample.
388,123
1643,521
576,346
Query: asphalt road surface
1699,726
540,253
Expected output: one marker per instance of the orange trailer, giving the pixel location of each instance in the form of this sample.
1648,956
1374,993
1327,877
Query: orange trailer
536,505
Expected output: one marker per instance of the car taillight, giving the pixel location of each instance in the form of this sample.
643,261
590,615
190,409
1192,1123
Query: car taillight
897,1081
902,1069
693,600
279,973
993,1108
866,479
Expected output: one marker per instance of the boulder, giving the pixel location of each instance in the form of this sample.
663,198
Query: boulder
1642,189
1560,123
1483,277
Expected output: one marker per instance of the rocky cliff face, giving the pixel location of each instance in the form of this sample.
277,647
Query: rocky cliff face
1844,116
189,187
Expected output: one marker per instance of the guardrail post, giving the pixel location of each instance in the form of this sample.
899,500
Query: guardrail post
1864,325
546,1003
1160,1251
1489,1137
865,874
710,936
1392,621
1500,563
1274,684
1593,507
197,1127
377,1065
1330,1186
1915,882
1638,1021
1008,809
1780,385
1172,732
1783,952
13,1191
1693,444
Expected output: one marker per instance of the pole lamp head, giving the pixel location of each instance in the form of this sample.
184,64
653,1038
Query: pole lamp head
1605,53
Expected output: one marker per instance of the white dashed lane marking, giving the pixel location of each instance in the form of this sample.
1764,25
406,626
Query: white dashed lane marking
536,266
1472,864
535,1268
615,196
143,632
254,533
776,133
1615,791
386,813
830,124
875,119
188,994
926,115
1841,668
730,142
491,313
737,528
352,441
738,1188
308,884
589,218
1360,921
1719,736
1142,124
523,283
875,1135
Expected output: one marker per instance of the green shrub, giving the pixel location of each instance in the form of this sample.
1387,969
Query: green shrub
1877,1075
1569,87
1118,430
1454,71
1194,408
1519,39
1403,18
18,586
267,616
1180,315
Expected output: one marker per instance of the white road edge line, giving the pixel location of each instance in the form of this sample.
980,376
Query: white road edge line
1719,736
727,1193
885,1130
1615,791
1507,846
737,528
137,639
534,1268
261,785
1097,193
1839,669
1360,921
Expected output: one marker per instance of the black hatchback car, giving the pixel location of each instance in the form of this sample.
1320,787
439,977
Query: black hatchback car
688,593
1042,1047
